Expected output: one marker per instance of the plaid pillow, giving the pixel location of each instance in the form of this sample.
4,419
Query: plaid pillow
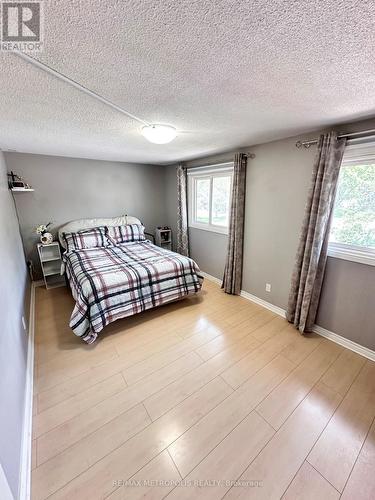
87,238
124,234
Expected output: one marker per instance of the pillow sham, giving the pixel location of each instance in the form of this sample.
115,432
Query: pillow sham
86,238
126,233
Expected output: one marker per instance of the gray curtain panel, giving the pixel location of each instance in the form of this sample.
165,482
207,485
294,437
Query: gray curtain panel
233,267
182,213
311,256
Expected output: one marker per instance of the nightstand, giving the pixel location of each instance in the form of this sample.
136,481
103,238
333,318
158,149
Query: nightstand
50,262
163,238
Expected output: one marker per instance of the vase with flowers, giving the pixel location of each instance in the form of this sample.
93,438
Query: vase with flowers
46,238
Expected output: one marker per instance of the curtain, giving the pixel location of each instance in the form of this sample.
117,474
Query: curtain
182,217
232,279
311,255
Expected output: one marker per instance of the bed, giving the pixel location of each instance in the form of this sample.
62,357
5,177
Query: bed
118,280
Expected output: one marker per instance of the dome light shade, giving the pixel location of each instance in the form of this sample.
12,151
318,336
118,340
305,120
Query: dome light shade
159,134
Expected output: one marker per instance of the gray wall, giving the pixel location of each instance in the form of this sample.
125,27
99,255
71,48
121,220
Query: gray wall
211,249
348,301
69,188
13,340
276,190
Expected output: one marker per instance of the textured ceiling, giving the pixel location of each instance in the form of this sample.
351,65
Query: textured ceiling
225,73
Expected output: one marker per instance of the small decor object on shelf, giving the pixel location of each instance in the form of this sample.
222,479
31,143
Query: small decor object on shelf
17,183
46,238
163,237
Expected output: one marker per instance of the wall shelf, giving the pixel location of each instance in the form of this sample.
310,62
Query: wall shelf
17,184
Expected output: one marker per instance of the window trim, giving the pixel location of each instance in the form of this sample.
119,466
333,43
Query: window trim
208,172
362,255
353,155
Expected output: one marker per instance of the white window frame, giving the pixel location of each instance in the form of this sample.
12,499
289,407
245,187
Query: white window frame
354,154
209,172
363,255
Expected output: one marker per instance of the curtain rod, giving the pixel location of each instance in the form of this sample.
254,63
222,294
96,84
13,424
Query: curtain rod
307,144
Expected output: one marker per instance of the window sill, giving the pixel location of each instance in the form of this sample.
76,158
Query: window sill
353,254
210,229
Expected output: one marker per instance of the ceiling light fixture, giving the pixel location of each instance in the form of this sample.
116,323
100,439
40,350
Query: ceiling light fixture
158,133
153,132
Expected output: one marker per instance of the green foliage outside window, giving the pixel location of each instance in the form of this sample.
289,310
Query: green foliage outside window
354,212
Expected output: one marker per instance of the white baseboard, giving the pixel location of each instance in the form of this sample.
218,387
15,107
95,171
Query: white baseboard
349,344
264,303
211,278
334,337
25,468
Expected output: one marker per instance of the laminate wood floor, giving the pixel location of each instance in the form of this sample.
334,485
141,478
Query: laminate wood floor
211,397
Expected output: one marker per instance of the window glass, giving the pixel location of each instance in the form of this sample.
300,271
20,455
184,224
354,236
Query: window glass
353,220
202,209
220,200
209,195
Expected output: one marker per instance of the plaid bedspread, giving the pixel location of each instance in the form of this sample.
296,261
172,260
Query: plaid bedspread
109,283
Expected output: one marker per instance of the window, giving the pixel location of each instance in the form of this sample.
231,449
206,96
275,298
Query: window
209,197
352,234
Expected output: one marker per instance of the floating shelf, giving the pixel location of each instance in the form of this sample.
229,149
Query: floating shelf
21,190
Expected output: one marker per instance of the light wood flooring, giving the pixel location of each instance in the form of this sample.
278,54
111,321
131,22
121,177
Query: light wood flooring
213,392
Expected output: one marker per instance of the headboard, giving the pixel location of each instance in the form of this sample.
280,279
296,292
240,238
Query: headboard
76,225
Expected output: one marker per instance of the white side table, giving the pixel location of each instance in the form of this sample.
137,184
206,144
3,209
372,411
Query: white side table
163,238
50,262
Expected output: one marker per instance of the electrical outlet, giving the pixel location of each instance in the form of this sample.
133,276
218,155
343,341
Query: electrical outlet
24,323
268,287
